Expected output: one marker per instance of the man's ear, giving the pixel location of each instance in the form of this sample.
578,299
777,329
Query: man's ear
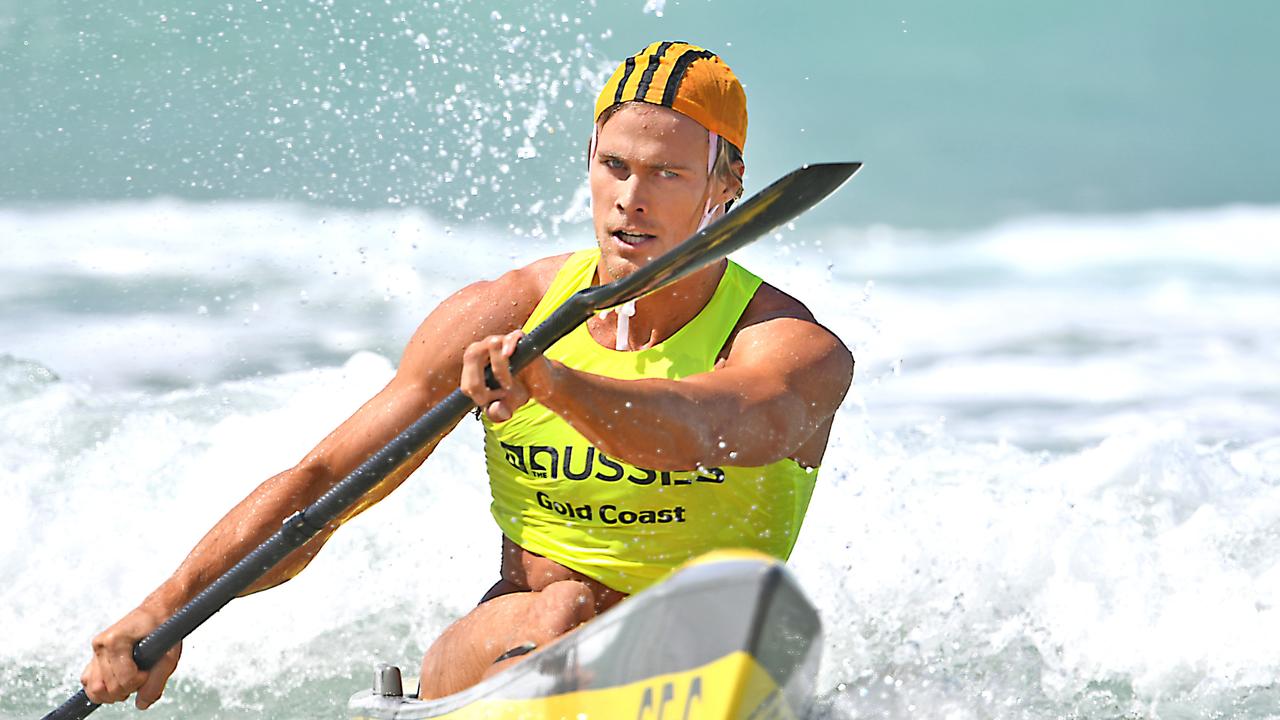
731,187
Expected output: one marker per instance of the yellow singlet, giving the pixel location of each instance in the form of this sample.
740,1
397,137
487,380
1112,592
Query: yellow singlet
556,495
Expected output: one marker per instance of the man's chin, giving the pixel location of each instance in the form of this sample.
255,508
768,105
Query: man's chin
616,268
620,262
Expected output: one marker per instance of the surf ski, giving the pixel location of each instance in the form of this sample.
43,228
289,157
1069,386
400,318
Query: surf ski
729,636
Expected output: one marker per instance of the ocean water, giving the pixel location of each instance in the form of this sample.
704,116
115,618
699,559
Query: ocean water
1053,491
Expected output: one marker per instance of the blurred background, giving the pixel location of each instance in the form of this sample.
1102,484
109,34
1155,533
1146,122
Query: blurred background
1052,491
966,113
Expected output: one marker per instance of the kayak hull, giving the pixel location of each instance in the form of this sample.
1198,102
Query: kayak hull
728,636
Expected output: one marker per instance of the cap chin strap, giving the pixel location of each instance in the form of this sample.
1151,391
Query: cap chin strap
622,339
708,212
622,336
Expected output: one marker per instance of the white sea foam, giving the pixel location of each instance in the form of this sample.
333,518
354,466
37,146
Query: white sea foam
165,293
978,580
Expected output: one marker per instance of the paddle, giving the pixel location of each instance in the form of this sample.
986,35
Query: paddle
771,207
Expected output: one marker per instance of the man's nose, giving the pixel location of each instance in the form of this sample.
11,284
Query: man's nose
632,195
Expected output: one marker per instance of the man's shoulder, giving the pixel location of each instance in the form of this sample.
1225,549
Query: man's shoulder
481,309
531,281
776,317
771,303
522,286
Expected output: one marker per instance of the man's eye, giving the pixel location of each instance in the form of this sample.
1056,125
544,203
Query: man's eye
614,163
669,173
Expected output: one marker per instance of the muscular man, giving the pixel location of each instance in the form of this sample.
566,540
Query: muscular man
693,419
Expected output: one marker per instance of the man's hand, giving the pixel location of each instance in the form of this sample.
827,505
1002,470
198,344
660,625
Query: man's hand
112,675
514,390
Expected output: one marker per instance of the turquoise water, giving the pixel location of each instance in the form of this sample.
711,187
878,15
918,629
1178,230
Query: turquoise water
1052,492
966,113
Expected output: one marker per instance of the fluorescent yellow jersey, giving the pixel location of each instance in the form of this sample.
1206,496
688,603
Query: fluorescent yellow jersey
556,495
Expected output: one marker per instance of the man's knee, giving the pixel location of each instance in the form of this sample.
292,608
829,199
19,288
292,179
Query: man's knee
466,651
564,605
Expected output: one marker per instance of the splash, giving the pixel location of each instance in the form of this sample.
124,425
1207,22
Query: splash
1138,577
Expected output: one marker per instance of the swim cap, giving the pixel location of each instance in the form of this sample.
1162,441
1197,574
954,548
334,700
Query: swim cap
686,78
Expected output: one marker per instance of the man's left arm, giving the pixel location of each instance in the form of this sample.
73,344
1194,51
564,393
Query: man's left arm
782,381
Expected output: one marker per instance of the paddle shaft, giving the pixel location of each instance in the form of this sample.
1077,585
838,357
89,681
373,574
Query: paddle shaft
765,211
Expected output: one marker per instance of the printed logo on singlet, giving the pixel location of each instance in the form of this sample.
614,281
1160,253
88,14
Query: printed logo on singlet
545,461
610,514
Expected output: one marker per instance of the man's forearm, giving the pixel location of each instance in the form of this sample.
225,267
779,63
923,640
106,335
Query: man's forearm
656,423
246,526
258,516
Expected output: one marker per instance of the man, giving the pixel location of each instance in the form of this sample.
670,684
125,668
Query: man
692,419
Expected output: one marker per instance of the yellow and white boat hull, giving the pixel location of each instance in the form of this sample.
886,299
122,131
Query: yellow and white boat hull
729,636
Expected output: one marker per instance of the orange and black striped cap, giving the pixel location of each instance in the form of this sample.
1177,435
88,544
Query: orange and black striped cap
687,79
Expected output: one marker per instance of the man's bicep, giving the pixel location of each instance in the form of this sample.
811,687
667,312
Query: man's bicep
433,356
784,379
428,372
372,426
496,307
803,356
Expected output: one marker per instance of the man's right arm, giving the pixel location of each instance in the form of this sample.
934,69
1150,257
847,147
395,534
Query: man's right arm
429,371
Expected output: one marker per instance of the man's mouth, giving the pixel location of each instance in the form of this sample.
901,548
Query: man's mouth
632,238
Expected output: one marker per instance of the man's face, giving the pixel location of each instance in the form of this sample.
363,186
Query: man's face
648,185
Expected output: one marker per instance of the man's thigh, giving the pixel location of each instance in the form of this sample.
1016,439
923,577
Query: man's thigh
467,649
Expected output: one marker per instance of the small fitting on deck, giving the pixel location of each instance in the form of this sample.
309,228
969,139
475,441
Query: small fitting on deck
386,681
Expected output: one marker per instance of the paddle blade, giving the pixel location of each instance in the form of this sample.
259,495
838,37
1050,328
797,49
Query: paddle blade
768,209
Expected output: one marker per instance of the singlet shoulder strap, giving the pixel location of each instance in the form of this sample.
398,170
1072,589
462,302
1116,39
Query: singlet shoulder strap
576,274
717,320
